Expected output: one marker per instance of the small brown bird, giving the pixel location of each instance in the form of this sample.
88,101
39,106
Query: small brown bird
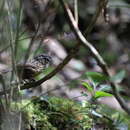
34,67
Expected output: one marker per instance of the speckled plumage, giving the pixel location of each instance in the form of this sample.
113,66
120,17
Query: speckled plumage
34,67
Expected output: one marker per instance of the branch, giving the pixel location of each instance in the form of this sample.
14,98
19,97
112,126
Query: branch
101,5
55,71
4,49
2,81
76,11
95,53
50,75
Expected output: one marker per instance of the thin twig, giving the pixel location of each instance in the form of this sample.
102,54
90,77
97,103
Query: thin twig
29,48
11,39
79,35
18,29
31,44
4,49
41,37
76,10
101,4
95,53
4,88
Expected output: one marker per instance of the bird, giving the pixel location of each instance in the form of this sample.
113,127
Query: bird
34,67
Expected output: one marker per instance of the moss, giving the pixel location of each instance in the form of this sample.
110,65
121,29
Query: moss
55,114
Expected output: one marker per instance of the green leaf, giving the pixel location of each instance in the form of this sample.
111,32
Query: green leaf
119,76
96,77
99,94
86,85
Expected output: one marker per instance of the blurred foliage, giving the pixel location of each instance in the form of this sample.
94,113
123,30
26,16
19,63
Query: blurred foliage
111,40
104,117
119,119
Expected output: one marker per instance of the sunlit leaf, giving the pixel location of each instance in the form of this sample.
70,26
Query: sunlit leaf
99,94
96,77
89,87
